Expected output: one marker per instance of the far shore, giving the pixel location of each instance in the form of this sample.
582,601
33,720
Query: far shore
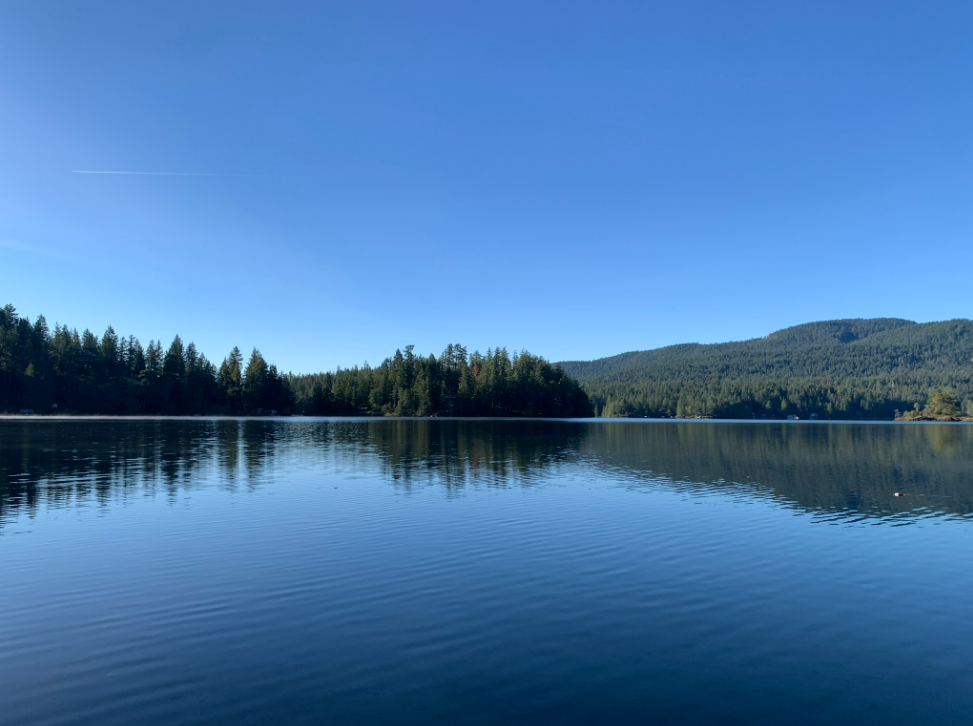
365,416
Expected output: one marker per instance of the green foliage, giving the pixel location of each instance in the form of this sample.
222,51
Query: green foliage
943,406
841,369
230,378
70,373
264,389
943,403
454,384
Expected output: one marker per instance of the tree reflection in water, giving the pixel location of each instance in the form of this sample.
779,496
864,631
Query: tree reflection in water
843,469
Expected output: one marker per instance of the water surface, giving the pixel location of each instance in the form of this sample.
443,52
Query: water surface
473,572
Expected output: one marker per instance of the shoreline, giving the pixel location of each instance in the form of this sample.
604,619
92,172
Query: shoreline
366,417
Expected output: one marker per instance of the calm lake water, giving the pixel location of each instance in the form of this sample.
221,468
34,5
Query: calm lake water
311,571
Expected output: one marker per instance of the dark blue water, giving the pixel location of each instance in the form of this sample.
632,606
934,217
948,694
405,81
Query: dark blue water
478,572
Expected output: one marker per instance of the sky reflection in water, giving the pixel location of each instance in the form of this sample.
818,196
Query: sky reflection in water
226,571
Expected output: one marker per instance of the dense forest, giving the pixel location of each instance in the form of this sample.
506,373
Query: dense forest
67,372
454,384
841,369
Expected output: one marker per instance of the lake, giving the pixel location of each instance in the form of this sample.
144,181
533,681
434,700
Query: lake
310,571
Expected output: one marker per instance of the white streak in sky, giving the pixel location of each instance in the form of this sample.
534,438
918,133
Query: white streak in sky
155,173
32,249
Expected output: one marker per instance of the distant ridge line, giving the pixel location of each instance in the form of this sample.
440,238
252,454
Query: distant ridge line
847,368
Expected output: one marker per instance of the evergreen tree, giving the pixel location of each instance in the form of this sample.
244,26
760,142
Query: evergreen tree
231,380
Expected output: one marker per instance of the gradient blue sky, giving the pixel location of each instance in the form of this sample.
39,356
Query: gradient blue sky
578,179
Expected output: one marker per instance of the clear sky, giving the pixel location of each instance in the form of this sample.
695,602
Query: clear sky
577,179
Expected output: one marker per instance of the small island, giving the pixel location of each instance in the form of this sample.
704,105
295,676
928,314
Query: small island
943,405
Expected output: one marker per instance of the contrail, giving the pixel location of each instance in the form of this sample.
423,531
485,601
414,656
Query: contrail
20,246
156,173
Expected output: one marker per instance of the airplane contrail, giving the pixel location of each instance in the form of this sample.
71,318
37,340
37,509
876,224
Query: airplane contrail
156,173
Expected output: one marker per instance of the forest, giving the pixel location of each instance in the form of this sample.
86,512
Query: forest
454,384
840,369
881,368
63,371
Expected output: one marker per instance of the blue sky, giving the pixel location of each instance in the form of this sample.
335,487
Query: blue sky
577,179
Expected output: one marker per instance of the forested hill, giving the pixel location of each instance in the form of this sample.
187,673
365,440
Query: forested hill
843,369
63,371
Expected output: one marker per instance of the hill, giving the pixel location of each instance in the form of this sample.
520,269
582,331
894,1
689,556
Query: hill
841,369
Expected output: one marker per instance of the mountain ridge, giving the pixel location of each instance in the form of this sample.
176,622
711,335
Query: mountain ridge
847,368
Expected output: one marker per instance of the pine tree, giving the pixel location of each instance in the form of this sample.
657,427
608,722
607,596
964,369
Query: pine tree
254,381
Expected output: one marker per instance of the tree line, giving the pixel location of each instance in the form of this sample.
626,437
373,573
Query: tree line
942,406
846,369
65,371
69,372
456,383
843,369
